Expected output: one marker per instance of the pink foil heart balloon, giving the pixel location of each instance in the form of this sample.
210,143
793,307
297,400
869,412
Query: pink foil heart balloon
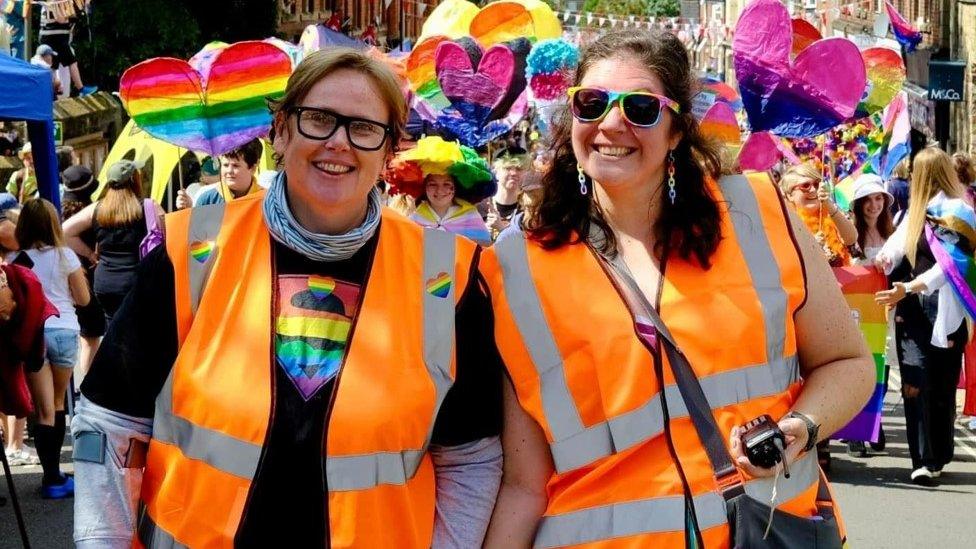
762,150
474,82
806,97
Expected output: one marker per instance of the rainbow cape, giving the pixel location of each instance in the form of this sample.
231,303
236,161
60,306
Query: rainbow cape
905,34
951,234
466,221
859,284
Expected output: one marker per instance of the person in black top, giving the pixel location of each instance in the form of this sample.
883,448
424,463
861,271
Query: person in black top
119,225
329,252
79,185
930,328
509,167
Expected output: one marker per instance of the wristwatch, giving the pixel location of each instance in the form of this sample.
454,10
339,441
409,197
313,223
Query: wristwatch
812,429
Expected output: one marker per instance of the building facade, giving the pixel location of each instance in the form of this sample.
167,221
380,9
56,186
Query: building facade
392,19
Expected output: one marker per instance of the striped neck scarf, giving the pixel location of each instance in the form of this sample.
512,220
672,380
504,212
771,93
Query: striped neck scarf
289,232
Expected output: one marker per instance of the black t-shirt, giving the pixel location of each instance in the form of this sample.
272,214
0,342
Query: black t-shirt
288,497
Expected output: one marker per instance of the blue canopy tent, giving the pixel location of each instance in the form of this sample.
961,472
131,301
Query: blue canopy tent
26,94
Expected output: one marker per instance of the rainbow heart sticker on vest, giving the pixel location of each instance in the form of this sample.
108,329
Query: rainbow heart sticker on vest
201,250
321,286
440,285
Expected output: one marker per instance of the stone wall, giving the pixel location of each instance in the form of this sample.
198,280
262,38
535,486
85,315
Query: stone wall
964,115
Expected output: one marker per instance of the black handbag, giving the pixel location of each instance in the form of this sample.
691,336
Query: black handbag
748,518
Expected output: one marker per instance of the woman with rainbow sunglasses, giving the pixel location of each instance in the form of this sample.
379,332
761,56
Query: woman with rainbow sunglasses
646,313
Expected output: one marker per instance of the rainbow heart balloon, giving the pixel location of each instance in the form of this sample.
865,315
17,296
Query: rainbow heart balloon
440,285
212,104
720,124
803,97
464,81
886,76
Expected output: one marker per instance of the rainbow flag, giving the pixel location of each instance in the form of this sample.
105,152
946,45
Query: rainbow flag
951,234
894,143
905,34
859,284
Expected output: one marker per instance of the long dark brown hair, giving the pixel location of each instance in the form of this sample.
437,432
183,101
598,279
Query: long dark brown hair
886,225
691,226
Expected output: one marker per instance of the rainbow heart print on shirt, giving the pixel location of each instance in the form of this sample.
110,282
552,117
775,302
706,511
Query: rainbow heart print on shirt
440,285
202,250
312,329
321,286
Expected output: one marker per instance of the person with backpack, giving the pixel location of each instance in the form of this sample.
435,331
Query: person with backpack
120,224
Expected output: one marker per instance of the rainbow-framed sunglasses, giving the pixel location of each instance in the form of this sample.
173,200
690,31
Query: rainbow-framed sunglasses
640,108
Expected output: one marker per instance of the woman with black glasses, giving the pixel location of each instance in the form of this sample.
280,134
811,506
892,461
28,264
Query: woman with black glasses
300,367
602,446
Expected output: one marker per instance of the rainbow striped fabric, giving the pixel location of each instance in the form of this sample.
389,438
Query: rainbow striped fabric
465,221
951,234
859,284
905,34
212,104
315,316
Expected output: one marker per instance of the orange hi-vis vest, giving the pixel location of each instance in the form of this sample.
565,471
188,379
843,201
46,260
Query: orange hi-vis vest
581,372
212,416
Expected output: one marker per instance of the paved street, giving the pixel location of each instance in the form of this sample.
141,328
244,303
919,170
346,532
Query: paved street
882,508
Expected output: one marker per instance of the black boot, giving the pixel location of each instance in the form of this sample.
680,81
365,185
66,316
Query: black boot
880,445
49,452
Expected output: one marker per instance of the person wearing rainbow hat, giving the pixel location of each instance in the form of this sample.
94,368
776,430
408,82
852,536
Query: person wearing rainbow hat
446,180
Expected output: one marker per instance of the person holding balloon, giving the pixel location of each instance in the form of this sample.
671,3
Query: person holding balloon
302,366
237,177
811,200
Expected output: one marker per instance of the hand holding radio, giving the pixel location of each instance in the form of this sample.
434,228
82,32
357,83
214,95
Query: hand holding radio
767,443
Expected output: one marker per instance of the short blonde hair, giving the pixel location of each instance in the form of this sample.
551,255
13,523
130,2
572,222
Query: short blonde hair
798,174
320,64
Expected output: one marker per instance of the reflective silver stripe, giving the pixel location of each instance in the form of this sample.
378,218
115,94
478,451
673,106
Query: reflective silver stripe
523,300
763,269
224,452
154,537
205,224
664,514
347,473
574,445
645,422
361,472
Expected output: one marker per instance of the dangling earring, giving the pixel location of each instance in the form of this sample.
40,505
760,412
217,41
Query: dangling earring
581,177
672,194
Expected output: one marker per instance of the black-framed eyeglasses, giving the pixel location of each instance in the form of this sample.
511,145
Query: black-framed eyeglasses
321,124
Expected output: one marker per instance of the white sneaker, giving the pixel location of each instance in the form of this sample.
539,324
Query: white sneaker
22,457
923,476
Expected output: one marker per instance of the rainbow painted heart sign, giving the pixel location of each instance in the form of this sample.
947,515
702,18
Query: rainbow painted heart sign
212,104
801,97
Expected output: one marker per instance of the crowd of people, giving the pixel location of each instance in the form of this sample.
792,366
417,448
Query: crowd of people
466,349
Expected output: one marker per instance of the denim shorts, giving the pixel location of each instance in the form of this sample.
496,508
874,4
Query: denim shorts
62,347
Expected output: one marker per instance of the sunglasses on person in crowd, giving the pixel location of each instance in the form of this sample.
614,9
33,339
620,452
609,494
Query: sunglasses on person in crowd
640,108
321,124
807,186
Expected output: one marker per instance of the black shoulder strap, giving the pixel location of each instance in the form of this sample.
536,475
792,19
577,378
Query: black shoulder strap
699,410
